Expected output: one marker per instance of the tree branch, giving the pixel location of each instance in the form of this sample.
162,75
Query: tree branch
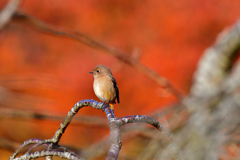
61,154
115,134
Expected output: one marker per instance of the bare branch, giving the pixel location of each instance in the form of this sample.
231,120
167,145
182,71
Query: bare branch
37,154
115,134
70,115
149,120
26,143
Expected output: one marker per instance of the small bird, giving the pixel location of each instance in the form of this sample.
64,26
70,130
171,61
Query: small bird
104,85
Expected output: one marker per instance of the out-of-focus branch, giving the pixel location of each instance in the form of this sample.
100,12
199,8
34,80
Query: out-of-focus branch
8,144
115,135
89,41
213,105
22,114
214,65
8,11
232,81
31,80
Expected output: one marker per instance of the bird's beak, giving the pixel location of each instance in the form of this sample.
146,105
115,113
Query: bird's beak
91,72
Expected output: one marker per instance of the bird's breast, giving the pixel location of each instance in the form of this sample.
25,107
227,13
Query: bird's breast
104,89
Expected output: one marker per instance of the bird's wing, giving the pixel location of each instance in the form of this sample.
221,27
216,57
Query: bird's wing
116,88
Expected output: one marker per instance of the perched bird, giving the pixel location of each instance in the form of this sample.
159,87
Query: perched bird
104,85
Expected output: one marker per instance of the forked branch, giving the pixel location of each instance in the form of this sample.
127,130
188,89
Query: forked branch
53,149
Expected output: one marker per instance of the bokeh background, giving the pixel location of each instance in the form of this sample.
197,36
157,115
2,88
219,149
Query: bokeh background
48,74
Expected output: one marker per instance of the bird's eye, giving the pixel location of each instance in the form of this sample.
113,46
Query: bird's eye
98,71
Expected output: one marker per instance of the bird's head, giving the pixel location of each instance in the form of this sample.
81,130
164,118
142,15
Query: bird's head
100,70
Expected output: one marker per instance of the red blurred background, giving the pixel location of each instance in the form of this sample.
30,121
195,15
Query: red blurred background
49,74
